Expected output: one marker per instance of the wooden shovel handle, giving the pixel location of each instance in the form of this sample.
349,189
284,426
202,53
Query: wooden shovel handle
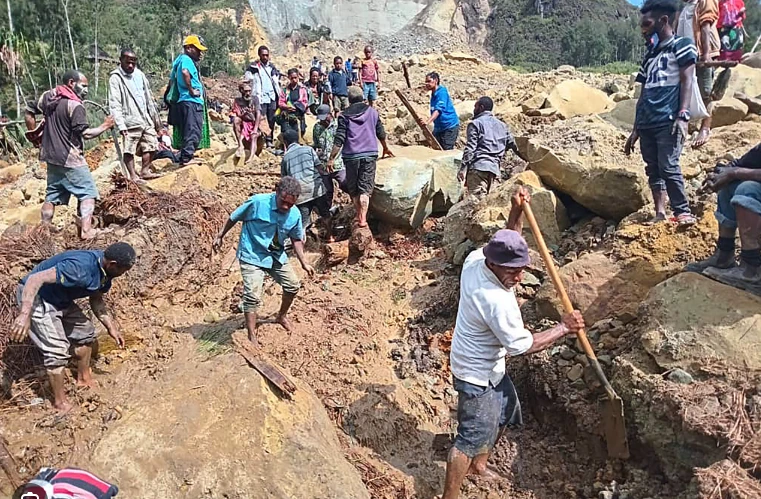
553,271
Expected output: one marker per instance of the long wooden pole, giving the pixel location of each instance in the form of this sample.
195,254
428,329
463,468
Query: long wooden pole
432,142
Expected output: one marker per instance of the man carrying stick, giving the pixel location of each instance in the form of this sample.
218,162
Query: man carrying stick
489,327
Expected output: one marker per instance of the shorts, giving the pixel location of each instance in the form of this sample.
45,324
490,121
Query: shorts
140,141
743,193
479,182
360,175
482,411
447,138
705,82
321,205
53,331
370,90
253,282
340,102
64,182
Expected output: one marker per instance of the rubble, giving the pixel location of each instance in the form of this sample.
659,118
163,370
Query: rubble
575,98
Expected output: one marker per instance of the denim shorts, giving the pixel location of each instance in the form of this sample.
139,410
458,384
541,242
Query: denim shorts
64,182
743,193
482,411
370,91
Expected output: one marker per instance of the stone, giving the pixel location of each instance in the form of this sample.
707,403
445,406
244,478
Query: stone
402,112
566,353
611,189
417,182
753,103
478,221
494,66
34,190
728,111
597,286
179,180
566,69
605,494
413,61
680,376
534,102
395,66
465,110
461,57
693,321
12,172
192,439
543,112
398,126
15,198
462,251
576,98
576,372
620,96
744,79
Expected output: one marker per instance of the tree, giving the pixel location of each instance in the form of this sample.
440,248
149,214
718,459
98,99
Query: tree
752,22
586,44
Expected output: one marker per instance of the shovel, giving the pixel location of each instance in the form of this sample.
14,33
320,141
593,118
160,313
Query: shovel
614,425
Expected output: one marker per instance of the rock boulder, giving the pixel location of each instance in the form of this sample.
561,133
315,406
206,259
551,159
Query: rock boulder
693,321
728,111
416,183
461,57
179,180
575,98
465,110
623,114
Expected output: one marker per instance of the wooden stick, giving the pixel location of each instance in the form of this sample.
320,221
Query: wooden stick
269,371
432,142
406,74
717,64
755,45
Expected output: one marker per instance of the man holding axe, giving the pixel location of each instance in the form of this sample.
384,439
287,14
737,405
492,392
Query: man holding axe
489,327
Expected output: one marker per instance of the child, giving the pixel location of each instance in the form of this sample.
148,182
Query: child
370,76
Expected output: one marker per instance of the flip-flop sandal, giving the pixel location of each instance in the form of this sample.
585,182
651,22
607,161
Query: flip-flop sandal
684,220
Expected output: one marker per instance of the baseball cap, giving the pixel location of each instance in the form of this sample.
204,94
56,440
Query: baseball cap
323,111
507,249
195,41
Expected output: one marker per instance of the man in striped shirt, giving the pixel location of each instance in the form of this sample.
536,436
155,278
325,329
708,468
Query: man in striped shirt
663,114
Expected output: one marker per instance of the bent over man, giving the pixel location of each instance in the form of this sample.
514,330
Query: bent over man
49,315
489,327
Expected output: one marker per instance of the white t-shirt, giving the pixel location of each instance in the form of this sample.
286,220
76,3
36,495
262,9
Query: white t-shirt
686,19
489,325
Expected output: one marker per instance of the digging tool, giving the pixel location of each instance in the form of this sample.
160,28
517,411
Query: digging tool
614,425
717,64
406,74
432,142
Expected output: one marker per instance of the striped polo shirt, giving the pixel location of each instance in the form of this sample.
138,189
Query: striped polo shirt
660,100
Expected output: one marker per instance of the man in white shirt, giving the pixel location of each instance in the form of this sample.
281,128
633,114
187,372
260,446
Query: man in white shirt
265,80
489,327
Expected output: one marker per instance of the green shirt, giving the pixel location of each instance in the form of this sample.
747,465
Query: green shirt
323,142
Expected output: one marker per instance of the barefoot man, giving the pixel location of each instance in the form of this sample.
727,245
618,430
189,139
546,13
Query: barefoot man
268,220
489,327
49,315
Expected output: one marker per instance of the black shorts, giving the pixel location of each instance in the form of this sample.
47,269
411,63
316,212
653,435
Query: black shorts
360,175
447,138
321,205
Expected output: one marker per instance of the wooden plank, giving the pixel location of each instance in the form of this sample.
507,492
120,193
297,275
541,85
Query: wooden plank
432,142
717,64
266,369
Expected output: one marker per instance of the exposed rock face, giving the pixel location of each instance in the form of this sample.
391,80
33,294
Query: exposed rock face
623,114
417,182
575,98
230,434
692,320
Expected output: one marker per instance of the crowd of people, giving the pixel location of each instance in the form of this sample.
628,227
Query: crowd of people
344,152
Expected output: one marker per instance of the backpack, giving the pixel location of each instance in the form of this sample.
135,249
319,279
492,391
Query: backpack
172,97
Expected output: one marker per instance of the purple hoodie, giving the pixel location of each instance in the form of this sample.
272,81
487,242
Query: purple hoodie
359,129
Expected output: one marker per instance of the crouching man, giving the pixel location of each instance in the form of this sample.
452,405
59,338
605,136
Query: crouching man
739,207
268,220
489,327
49,315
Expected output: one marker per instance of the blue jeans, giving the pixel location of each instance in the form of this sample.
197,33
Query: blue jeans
661,150
482,411
746,194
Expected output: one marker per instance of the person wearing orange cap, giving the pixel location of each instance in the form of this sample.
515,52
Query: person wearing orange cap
190,102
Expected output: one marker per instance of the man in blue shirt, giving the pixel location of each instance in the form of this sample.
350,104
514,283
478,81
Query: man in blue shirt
190,103
268,220
446,123
663,109
49,315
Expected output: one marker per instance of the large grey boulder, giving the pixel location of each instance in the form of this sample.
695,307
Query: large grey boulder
416,183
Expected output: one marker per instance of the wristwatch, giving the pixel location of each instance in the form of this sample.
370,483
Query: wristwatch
684,115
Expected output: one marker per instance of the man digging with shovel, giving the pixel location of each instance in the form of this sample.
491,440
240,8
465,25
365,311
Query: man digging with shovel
489,327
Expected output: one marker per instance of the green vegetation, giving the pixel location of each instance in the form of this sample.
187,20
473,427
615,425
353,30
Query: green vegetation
43,44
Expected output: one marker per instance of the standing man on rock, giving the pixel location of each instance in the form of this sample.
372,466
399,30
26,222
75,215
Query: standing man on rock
663,108
191,98
489,327
697,21
265,79
268,220
245,117
739,207
369,76
65,130
46,297
134,110
358,133
340,81
487,141
446,123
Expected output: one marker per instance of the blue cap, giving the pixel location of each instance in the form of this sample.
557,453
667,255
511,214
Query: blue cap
507,249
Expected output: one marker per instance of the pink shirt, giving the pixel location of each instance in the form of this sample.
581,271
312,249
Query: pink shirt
369,71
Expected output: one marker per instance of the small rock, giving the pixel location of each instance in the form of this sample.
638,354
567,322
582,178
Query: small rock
578,385
605,494
605,360
212,317
566,353
576,372
680,376
530,279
